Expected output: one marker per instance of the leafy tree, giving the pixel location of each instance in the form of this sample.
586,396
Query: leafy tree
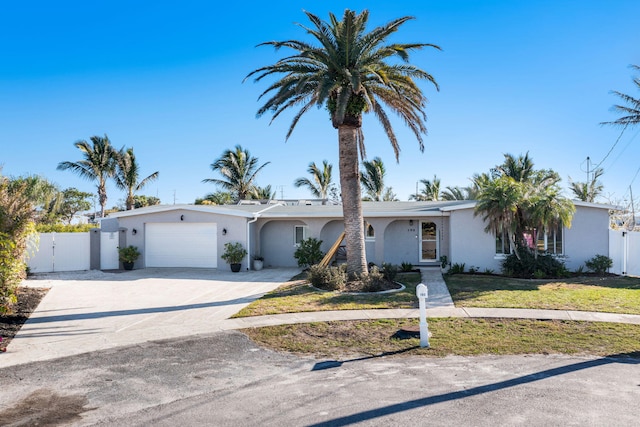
140,201
127,175
16,223
631,111
73,201
97,165
217,198
239,170
349,72
516,199
320,184
430,192
45,196
588,191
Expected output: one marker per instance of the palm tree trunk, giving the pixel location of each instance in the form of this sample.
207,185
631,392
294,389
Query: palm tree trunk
102,197
351,199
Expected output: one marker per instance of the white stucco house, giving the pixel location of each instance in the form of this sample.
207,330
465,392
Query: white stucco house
396,232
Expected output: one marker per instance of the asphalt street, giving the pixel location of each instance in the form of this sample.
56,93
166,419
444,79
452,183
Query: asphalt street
223,379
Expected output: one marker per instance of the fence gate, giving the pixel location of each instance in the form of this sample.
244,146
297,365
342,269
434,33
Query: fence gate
52,252
109,251
624,250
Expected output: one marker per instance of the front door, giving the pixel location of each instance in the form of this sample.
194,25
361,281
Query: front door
428,241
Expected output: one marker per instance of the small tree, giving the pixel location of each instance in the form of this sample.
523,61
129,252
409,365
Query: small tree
599,264
309,253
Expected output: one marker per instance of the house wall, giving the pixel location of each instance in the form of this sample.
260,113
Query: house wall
470,244
587,237
236,228
277,242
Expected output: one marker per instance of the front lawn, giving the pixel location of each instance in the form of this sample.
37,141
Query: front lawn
297,296
611,294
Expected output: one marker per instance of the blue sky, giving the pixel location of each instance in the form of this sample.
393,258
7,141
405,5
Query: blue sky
166,79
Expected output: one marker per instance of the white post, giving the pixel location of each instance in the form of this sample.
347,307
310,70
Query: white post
422,293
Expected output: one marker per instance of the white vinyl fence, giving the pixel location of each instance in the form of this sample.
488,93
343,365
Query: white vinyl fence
59,252
109,251
624,250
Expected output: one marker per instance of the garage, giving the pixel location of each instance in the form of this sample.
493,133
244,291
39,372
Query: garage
181,245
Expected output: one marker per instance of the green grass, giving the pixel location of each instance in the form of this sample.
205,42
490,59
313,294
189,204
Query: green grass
298,296
455,336
612,294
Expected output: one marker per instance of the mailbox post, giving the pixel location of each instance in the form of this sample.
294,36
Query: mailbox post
422,293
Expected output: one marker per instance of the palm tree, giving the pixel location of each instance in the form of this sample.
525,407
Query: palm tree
588,191
372,179
320,183
98,164
389,195
518,199
430,192
127,175
217,198
349,73
239,171
458,193
631,111
263,193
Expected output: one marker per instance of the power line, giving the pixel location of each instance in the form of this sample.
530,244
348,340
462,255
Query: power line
613,146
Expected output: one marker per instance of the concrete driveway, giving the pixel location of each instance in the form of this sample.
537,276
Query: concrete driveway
95,310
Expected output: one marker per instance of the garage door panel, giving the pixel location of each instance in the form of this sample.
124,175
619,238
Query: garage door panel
181,245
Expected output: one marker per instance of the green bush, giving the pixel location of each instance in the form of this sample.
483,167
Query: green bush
599,264
375,281
309,253
328,278
406,266
528,265
456,268
64,228
389,271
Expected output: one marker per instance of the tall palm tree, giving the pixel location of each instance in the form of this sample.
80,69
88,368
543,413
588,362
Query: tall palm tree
98,164
588,191
631,111
548,210
457,193
372,179
320,183
127,176
350,73
430,192
239,170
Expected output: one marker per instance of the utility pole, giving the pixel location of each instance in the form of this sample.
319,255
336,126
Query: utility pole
588,159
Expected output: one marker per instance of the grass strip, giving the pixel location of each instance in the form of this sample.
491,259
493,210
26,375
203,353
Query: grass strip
455,336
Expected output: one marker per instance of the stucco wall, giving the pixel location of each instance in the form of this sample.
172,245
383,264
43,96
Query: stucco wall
587,237
470,244
277,243
236,229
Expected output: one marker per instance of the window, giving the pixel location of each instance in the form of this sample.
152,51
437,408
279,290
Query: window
369,232
551,241
299,234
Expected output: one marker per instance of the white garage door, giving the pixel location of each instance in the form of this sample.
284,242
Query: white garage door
181,245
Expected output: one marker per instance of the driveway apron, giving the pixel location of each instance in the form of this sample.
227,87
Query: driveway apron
98,310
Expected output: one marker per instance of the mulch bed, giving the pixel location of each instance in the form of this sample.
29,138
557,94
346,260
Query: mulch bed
28,300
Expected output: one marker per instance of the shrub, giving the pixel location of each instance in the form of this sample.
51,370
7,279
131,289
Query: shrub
528,265
473,269
328,278
599,264
374,281
234,253
456,268
65,228
309,253
389,271
406,266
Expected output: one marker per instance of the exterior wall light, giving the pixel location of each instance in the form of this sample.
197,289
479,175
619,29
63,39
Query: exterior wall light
134,231
224,231
181,217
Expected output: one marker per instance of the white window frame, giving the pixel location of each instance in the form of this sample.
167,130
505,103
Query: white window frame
296,243
368,226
